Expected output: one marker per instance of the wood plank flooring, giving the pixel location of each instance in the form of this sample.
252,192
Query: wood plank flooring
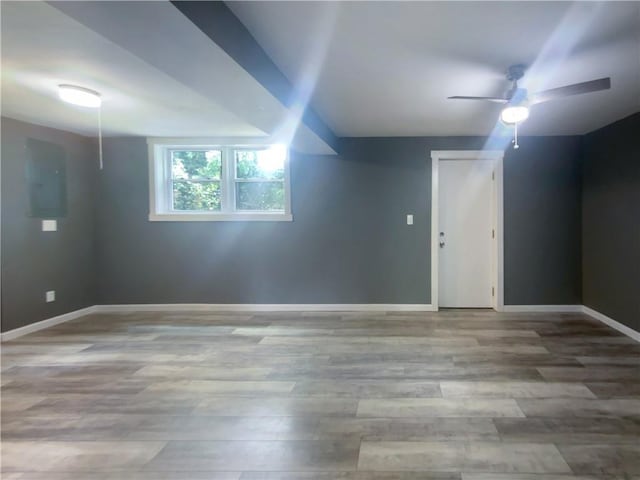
454,395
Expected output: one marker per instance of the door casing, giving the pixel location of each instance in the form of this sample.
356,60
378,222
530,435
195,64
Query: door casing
497,156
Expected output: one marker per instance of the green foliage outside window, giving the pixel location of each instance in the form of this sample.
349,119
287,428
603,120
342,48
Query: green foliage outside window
196,196
266,165
260,195
259,164
197,176
196,179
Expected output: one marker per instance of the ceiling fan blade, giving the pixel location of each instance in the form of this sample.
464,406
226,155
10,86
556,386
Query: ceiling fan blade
575,89
488,99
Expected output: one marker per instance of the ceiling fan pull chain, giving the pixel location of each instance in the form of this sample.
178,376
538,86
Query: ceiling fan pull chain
100,162
515,140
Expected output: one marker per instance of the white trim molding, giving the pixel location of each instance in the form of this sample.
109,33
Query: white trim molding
297,307
467,154
497,157
49,322
611,322
215,307
221,217
542,308
267,307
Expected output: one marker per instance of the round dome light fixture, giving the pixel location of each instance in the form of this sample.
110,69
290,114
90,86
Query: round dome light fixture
79,96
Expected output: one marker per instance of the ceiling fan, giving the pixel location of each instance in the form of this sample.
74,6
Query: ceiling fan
518,100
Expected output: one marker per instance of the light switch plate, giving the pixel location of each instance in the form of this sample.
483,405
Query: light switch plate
50,296
49,225
409,219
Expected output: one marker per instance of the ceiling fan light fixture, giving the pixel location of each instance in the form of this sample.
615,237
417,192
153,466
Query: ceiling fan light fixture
80,96
514,114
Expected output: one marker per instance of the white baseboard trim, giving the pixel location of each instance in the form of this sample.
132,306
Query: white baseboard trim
49,322
267,307
543,308
305,307
612,323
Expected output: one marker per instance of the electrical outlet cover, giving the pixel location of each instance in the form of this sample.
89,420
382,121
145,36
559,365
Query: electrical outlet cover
49,225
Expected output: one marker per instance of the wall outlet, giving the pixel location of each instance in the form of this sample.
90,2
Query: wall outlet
49,225
50,296
410,219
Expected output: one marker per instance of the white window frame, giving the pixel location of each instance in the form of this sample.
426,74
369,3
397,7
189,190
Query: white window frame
160,183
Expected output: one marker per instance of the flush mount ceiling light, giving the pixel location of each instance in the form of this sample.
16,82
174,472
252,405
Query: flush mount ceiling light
79,96
514,114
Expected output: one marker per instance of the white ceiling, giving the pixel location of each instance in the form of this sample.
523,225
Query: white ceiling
169,80
42,47
375,68
386,68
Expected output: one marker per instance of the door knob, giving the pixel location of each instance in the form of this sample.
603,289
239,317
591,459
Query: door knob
441,239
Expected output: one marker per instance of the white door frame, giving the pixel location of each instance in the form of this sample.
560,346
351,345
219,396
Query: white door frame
496,156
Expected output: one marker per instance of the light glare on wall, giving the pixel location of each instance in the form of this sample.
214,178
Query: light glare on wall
79,96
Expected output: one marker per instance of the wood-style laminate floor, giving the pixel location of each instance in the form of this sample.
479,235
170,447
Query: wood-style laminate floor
471,395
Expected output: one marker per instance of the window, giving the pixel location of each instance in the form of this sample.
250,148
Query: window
195,180
198,182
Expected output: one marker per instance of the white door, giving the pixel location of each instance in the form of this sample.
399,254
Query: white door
465,217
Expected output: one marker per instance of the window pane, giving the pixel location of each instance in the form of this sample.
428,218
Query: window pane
196,164
196,196
261,164
260,196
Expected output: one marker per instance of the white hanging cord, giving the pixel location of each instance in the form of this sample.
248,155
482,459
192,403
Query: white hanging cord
100,135
515,140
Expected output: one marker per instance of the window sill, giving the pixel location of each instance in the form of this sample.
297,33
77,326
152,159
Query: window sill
221,217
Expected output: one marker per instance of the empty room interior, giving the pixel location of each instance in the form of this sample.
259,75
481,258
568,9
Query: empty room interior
320,240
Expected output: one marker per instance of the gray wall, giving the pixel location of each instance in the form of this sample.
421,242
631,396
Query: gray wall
543,244
34,261
611,221
349,242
